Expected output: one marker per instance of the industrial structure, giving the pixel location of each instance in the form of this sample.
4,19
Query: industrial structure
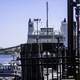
46,56
44,60
40,36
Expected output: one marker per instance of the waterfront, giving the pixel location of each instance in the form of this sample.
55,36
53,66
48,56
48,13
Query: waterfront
5,59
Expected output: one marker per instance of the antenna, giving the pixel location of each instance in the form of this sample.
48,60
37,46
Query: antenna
47,17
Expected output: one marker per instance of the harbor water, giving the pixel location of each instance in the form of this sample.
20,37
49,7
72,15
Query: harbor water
5,59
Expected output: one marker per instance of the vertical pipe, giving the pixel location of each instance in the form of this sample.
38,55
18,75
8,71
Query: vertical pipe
42,78
70,27
47,33
57,58
77,18
70,37
37,30
47,17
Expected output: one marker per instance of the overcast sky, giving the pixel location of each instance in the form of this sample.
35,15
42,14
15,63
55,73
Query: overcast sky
14,15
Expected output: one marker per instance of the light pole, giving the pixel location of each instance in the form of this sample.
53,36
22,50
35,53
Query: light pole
37,20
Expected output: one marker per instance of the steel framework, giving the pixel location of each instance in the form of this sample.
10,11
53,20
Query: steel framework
52,61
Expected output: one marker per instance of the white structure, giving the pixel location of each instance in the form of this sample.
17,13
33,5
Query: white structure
64,32
45,35
30,27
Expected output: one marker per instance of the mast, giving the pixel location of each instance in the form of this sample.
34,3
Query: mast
47,17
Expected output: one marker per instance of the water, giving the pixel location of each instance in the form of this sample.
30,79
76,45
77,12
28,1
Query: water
5,59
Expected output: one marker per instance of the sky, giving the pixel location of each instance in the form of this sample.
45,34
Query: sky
14,16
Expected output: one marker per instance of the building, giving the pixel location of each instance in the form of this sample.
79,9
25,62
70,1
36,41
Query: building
30,27
45,35
64,32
